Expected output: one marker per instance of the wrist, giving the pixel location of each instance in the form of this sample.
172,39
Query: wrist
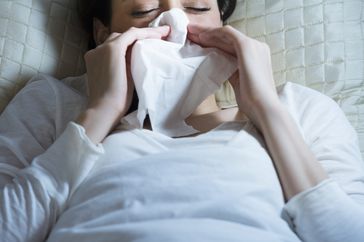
107,105
98,122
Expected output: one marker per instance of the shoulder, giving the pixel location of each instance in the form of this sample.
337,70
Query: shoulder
55,86
316,113
44,87
297,94
47,98
303,99
329,134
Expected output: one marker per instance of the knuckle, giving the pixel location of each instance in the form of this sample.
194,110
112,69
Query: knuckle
114,35
227,29
111,37
88,55
132,29
130,33
235,34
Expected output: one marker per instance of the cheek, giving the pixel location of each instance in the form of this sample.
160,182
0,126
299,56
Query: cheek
212,21
124,24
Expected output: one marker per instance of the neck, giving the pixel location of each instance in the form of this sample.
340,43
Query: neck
209,105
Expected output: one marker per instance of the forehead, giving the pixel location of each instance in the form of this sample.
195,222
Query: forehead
125,6
123,12
160,1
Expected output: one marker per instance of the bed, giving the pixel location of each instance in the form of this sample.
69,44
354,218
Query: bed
316,43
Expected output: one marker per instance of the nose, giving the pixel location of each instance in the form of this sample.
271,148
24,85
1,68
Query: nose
169,4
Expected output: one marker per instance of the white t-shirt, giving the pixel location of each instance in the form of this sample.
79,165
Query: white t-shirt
143,186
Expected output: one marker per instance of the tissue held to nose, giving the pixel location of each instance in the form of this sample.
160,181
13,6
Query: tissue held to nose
173,77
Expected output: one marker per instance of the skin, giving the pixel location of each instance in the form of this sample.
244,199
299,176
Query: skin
253,83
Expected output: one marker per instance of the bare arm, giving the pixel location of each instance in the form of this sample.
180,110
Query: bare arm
257,97
321,208
296,165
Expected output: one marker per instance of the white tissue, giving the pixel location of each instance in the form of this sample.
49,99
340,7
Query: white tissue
173,77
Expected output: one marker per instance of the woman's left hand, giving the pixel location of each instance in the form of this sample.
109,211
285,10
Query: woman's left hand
253,83
256,95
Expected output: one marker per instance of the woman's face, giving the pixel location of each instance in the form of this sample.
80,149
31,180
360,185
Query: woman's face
139,13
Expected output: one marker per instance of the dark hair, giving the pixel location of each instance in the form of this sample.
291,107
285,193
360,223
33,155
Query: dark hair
101,9
227,8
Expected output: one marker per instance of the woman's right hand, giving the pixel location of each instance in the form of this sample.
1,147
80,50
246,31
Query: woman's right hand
110,84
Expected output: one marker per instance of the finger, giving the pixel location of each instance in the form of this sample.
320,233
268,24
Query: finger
134,34
197,29
112,37
194,32
222,38
214,42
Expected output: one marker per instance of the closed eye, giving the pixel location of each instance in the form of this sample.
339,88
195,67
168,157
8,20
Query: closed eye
197,9
140,14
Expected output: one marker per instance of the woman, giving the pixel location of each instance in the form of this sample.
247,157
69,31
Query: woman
75,181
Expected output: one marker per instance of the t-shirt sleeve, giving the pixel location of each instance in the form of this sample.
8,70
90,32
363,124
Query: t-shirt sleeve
27,127
33,120
32,202
41,161
333,210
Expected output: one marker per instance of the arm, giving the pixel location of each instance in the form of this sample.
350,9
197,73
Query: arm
321,209
317,207
296,165
41,167
32,202
110,82
37,178
334,209
257,97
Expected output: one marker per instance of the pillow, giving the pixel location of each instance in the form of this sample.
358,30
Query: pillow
316,43
38,36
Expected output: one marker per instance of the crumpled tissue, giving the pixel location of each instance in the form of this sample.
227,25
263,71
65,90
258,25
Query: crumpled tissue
172,77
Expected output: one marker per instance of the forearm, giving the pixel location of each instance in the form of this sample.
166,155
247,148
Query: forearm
296,165
98,122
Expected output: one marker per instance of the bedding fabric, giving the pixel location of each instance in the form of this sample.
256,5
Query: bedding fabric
38,36
316,43
217,186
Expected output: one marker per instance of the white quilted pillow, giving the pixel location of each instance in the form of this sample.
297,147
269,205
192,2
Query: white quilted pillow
317,43
38,36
